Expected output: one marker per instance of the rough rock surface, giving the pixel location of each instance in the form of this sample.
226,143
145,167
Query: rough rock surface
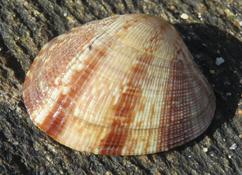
211,29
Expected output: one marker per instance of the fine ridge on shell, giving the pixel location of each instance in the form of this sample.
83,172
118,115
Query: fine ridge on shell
124,85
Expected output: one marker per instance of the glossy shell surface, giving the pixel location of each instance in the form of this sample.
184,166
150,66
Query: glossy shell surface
124,85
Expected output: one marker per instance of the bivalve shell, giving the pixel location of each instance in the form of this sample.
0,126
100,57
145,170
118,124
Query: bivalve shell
124,85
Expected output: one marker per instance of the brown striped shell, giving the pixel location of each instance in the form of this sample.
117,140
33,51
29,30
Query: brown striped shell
124,85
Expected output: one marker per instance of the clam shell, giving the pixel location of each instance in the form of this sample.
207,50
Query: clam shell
124,85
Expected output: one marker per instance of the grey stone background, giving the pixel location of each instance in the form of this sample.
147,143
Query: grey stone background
212,30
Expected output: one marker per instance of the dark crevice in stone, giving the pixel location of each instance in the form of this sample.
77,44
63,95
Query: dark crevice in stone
12,62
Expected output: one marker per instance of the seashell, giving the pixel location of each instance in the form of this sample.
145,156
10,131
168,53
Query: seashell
124,85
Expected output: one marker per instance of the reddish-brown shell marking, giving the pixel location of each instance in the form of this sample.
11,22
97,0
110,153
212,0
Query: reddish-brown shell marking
125,85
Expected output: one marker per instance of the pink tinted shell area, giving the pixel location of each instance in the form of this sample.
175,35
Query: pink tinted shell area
50,63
